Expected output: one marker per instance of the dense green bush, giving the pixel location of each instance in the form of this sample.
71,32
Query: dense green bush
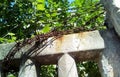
20,19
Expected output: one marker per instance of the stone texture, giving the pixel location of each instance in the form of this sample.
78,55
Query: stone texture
109,63
75,42
27,69
67,67
112,8
4,49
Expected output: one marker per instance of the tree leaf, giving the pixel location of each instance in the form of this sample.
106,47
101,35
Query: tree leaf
11,34
46,29
40,7
40,1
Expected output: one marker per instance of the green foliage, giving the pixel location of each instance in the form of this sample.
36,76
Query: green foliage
88,69
10,38
85,69
25,18
12,74
48,71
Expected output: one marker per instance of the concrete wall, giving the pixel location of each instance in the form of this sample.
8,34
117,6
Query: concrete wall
109,63
112,8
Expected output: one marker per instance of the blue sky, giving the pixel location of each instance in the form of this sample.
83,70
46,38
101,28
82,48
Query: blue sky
70,0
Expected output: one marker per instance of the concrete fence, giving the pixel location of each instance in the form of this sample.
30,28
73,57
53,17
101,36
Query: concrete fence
100,46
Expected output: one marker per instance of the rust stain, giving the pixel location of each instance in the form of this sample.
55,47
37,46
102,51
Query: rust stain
83,34
58,43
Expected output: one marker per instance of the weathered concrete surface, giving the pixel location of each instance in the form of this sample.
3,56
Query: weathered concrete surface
89,44
27,69
75,42
109,63
110,57
67,66
4,49
112,8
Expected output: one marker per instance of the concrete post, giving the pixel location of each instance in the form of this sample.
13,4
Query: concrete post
27,69
109,63
67,67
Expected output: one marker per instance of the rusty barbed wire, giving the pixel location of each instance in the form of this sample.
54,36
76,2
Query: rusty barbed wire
39,39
